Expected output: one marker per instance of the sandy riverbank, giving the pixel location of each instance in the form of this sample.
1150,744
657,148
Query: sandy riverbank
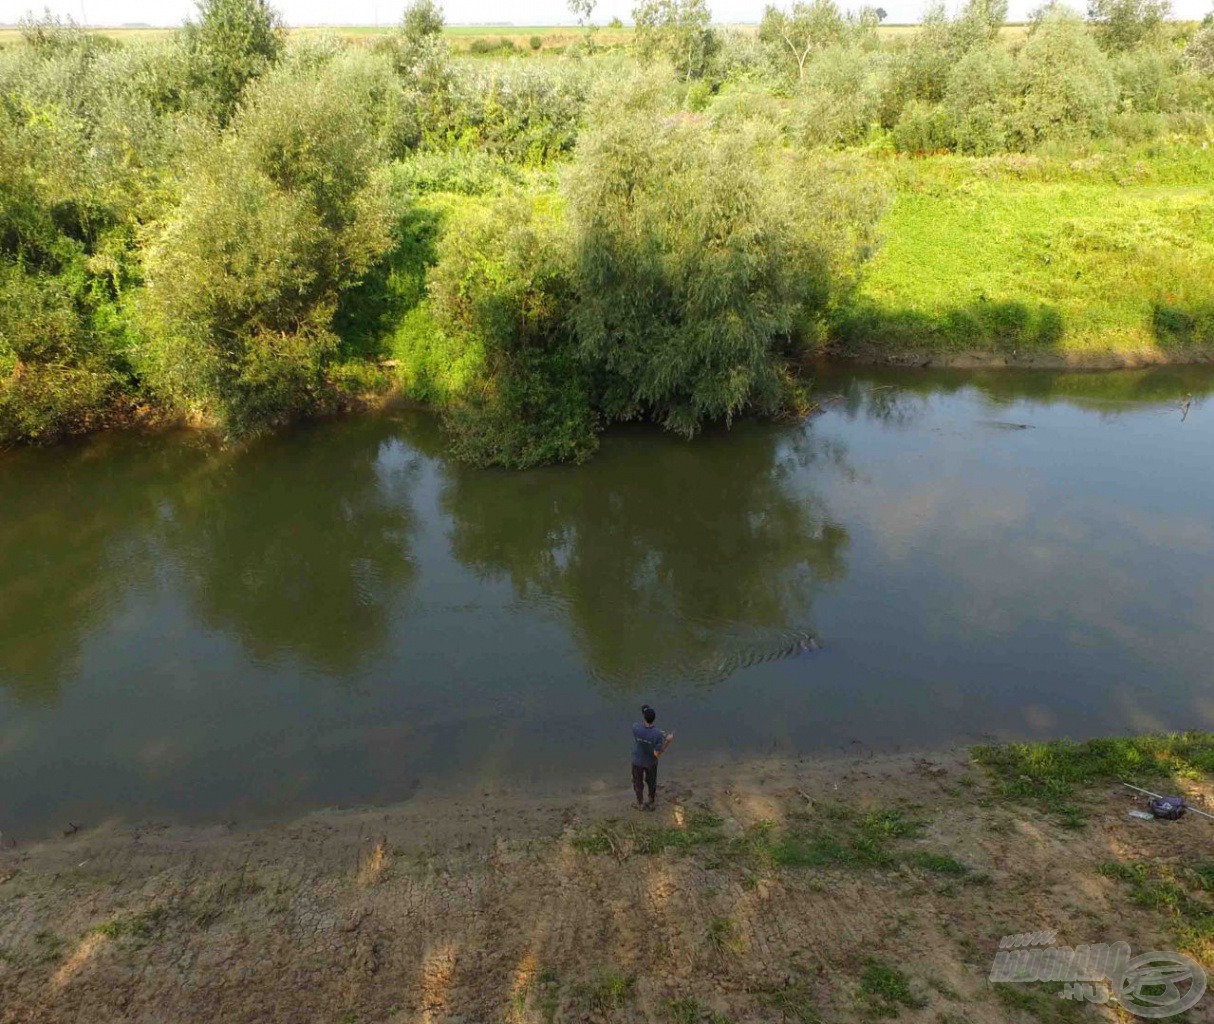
833,890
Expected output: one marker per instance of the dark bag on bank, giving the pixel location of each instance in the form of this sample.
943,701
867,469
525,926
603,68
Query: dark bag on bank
1170,807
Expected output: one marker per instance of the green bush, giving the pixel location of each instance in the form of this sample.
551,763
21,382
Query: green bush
1199,53
525,115
276,218
535,42
840,98
231,44
501,44
678,31
1069,90
1126,25
981,100
68,200
41,403
500,295
704,259
919,71
1147,81
923,128
422,19
463,172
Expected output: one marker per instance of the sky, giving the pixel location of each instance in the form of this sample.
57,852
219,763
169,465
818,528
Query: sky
518,12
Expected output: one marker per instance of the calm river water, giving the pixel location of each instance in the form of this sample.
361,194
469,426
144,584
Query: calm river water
342,616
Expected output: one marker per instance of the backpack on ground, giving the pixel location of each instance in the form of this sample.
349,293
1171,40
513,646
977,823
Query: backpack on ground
1170,807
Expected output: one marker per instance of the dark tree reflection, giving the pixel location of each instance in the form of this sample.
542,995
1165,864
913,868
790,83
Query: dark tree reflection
301,545
672,560
900,397
73,541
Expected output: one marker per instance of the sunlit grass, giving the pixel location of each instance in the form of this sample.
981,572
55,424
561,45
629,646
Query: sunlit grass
1104,253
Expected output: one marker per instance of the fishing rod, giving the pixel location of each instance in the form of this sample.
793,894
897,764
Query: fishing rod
1188,806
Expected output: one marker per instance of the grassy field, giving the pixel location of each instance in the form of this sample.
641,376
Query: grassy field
1078,257
462,36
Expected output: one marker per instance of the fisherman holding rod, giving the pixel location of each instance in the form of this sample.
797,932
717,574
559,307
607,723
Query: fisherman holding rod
648,745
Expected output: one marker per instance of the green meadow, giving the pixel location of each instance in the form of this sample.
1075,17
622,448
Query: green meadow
1088,257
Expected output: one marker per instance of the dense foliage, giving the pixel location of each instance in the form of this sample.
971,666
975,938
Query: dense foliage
245,226
706,259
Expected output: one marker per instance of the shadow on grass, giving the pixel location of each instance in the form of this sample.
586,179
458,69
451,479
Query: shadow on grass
998,326
984,324
1174,326
367,315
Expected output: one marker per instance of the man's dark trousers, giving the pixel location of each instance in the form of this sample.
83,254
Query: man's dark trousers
642,777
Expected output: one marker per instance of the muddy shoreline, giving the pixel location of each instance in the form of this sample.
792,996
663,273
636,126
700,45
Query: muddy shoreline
514,905
984,359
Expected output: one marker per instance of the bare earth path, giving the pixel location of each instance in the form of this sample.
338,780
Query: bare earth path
845,890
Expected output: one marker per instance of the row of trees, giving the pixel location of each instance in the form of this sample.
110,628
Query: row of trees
246,228
960,83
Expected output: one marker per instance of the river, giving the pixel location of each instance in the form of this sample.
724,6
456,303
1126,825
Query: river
341,615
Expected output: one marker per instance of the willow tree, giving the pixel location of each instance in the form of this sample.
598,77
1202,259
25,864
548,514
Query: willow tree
678,30
1124,25
705,260
804,29
499,351
232,43
277,217
1069,88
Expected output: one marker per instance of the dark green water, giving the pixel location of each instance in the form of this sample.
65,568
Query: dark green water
342,616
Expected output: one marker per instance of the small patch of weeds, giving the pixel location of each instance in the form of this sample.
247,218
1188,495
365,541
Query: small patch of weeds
940,863
1041,1001
1173,891
609,990
140,926
209,903
549,1000
890,823
700,828
1052,771
884,990
837,812
49,945
688,1011
1070,816
794,1002
723,936
943,987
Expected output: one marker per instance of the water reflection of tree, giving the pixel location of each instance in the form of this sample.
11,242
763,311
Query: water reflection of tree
301,545
671,560
899,397
893,405
73,541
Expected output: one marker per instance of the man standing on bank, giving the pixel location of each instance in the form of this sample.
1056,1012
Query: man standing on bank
647,747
